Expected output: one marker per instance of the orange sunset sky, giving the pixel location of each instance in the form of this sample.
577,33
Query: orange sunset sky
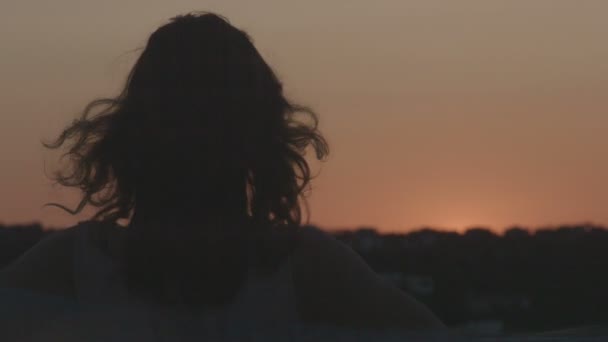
441,113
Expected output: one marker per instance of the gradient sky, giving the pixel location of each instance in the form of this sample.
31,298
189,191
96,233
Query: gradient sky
442,113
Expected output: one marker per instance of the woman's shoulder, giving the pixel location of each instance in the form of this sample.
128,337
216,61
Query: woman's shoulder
335,286
47,266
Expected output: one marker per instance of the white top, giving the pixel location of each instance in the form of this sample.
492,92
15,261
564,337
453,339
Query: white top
264,304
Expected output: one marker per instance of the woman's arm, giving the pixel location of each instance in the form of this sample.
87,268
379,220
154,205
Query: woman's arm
335,286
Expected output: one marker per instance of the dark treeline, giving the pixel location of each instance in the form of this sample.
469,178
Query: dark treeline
521,280
528,281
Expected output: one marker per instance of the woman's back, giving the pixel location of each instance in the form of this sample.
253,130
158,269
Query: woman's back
322,282
263,301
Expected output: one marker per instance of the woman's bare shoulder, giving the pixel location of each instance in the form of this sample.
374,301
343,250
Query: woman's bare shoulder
335,286
46,267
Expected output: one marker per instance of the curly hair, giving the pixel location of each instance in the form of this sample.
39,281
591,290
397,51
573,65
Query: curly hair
201,128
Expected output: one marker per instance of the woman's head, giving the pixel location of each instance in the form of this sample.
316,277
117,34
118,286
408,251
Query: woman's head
201,127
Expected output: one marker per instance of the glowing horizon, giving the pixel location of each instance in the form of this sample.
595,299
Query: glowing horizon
438,113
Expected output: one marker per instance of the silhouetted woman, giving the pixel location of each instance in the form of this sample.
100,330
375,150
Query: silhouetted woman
205,156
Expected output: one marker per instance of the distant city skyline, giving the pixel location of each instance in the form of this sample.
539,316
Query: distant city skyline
438,113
